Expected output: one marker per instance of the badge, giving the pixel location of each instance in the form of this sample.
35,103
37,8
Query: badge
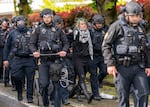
43,31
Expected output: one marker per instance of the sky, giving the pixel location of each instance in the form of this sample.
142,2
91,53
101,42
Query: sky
7,6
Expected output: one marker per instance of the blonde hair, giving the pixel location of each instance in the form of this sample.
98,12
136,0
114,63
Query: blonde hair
77,25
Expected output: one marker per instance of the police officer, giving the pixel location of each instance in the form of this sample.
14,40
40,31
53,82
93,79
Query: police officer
48,39
126,54
98,31
58,21
4,30
17,46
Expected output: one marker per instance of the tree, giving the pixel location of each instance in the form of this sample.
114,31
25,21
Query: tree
23,6
106,8
53,5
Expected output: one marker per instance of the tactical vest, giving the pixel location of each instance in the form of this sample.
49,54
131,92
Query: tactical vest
49,41
22,44
3,36
131,43
97,40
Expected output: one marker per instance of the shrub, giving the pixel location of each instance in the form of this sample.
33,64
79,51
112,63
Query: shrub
70,17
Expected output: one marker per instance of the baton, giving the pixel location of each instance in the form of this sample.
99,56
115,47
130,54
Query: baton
52,54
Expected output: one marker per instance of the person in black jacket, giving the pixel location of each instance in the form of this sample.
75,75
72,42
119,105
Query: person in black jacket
98,31
126,53
82,53
4,30
22,65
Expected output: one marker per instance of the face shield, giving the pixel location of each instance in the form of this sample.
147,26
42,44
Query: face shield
21,23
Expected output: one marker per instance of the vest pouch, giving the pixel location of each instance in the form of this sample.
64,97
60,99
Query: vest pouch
55,48
1,44
55,71
44,46
121,49
133,49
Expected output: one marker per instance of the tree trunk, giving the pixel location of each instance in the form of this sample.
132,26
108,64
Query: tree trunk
15,8
110,14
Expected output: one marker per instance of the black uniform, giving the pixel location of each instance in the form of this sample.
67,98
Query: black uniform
48,39
4,30
98,61
17,47
125,47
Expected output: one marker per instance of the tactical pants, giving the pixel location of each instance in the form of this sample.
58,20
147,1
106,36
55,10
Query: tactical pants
44,79
20,68
98,62
6,75
64,93
132,75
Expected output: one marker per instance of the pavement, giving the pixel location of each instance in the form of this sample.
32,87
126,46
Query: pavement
8,99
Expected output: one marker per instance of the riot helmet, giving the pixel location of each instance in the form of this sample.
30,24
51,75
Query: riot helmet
47,12
98,19
133,8
20,20
21,23
13,20
57,19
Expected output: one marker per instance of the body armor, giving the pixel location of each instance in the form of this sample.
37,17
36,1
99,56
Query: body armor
3,36
49,42
130,46
22,44
97,40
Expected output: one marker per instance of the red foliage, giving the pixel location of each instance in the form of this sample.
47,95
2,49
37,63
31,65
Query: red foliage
34,17
146,8
81,11
141,1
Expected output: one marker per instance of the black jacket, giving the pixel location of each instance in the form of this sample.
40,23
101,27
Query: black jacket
34,45
114,33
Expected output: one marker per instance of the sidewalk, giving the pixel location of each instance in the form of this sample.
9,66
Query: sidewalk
8,99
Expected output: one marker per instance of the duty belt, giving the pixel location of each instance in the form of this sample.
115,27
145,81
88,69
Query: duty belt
126,61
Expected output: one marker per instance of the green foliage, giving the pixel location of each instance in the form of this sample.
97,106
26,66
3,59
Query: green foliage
24,7
52,5
109,5
93,5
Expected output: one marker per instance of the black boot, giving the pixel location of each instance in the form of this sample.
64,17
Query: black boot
19,90
87,95
74,91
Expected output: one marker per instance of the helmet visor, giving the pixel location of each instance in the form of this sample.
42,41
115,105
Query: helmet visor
20,22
